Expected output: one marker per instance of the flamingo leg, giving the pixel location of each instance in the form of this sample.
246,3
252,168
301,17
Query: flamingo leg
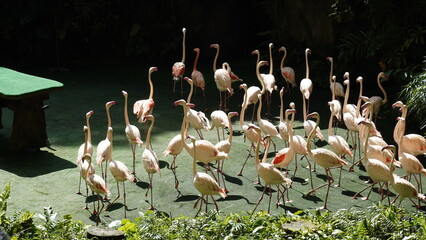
260,199
201,204
220,100
369,186
150,189
217,207
240,173
125,204
310,172
270,197
330,181
173,167
223,176
395,200
174,86
79,184
118,195
254,110
340,176
133,147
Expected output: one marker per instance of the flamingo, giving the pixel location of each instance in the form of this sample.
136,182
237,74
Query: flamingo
80,152
283,128
132,132
269,174
102,150
267,127
97,184
378,101
149,159
253,91
121,173
409,162
347,107
221,78
249,133
324,157
85,166
269,80
88,144
337,143
174,148
376,169
178,68
404,188
335,87
349,115
204,183
144,107
287,72
197,76
206,151
336,103
306,83
414,144
219,120
284,156
225,145
196,119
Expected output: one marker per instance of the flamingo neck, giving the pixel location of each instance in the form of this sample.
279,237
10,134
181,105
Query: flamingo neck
109,135
243,110
345,101
282,108
307,65
358,104
259,77
89,134
333,94
231,129
151,86
330,123
401,138
148,135
215,59
304,108
271,64
311,134
282,59
256,152
258,58
194,161
290,130
183,47
265,153
191,83
108,118
196,61
185,110
86,143
366,145
126,117
259,109
331,71
385,95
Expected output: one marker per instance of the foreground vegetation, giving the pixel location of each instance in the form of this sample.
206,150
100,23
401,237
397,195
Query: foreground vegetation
376,222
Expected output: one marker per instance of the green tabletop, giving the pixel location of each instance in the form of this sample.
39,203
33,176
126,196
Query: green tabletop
16,85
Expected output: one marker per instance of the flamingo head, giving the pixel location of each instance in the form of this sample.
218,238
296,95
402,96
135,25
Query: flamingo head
366,105
191,137
400,118
333,78
215,45
312,115
187,79
271,45
252,126
292,105
243,86
255,52
391,147
124,93
230,90
282,49
308,51
110,103
153,69
364,98
383,75
190,105
290,111
282,91
365,123
89,113
197,50
184,30
265,138
262,63
329,59
346,82
359,79
346,75
231,114
148,117
398,104
181,102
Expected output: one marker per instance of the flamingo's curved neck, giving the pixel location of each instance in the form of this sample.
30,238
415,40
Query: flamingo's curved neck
271,66
358,104
151,86
243,109
186,146
290,130
258,58
282,59
282,108
89,134
385,95
333,94
215,59
265,153
183,46
307,65
191,83
366,145
345,101
108,117
86,143
109,135
231,129
126,117
194,161
304,108
196,61
259,109
401,137
330,123
259,77
311,134
331,70
256,152
148,135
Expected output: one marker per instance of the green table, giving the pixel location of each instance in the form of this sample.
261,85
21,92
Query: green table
24,95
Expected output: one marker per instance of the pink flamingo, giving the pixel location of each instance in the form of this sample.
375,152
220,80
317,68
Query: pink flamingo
266,126
97,184
249,133
287,72
335,87
219,120
269,80
85,166
283,128
306,83
253,91
197,76
376,169
404,188
150,160
120,173
132,132
222,78
378,101
225,145
204,183
144,107
269,174
324,157
178,68
102,150
197,119
174,148
88,144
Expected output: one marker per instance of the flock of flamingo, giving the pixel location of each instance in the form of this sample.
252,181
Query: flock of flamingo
379,158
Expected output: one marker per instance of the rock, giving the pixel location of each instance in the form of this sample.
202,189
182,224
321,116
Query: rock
104,233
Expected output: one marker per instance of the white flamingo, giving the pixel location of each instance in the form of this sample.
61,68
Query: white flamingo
150,160
144,107
306,83
178,68
132,132
287,72
219,120
197,76
266,126
221,78
269,80
81,152
197,119
85,166
283,128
